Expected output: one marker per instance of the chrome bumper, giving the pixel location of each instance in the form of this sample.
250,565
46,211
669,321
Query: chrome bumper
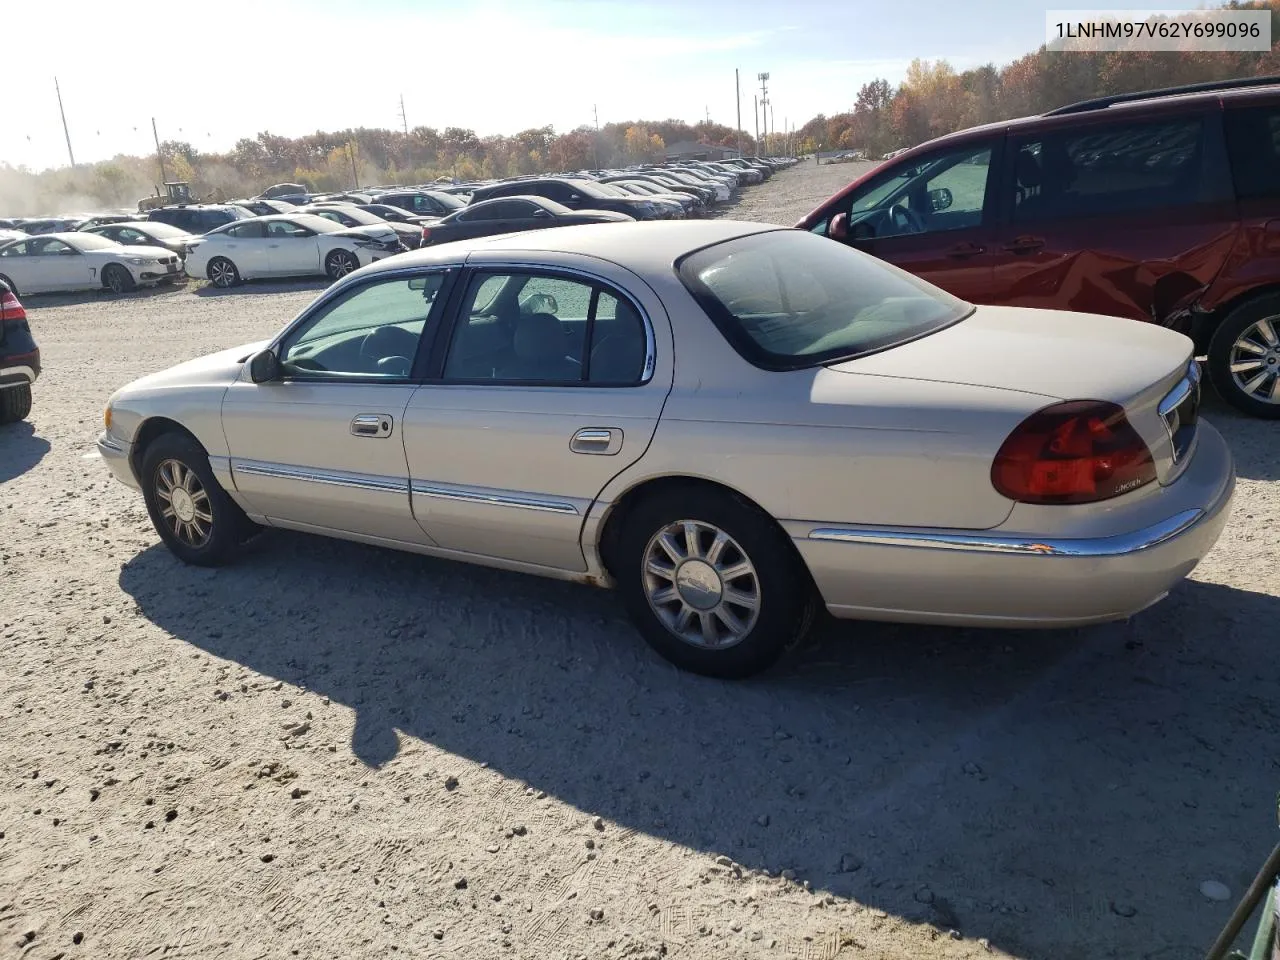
115,453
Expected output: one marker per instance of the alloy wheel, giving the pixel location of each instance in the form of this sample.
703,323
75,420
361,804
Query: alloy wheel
701,584
1255,361
341,264
222,273
184,503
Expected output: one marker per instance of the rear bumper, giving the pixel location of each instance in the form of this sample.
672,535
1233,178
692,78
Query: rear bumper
992,578
19,371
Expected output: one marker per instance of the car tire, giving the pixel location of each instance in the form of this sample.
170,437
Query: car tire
339,263
222,273
12,286
770,575
205,527
117,279
1241,339
15,403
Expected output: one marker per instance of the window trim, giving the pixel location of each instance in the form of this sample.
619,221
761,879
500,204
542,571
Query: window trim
426,340
444,338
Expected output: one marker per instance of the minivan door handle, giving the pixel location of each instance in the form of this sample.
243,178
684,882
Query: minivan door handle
372,425
599,440
1024,244
967,249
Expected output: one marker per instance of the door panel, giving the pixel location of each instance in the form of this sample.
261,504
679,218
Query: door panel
292,256
1124,219
504,469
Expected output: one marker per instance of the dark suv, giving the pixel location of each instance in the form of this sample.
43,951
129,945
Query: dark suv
19,358
199,218
1161,206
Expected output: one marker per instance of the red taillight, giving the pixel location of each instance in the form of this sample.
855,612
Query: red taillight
426,234
1075,452
10,307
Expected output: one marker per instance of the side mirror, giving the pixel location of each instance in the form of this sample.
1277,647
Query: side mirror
940,199
839,229
264,366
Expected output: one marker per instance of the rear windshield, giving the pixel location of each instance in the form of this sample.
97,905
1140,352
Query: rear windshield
787,299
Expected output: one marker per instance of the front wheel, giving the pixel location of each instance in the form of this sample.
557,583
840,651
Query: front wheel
15,403
339,263
223,273
1244,358
712,584
117,279
194,516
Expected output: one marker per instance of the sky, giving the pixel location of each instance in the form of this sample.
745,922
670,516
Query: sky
212,73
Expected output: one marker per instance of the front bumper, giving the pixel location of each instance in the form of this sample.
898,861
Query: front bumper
115,453
992,578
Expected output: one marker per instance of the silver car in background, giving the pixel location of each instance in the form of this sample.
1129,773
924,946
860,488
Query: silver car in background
736,425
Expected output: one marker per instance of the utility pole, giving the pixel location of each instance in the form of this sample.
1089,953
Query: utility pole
403,118
65,131
159,152
595,142
355,177
755,112
737,99
764,105
772,124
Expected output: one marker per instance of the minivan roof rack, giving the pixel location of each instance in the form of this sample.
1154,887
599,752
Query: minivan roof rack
1100,103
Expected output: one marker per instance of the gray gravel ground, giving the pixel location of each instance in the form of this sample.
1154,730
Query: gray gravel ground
332,750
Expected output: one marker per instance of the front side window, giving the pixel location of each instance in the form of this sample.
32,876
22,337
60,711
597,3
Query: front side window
373,331
126,235
15,250
1105,171
538,328
786,299
946,191
286,230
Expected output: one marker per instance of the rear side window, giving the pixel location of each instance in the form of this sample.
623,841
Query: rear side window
1253,143
1110,170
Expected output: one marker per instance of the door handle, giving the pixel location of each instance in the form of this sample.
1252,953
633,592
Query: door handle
1024,245
600,440
372,425
962,250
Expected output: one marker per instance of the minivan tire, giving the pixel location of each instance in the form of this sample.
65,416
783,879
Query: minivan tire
1241,325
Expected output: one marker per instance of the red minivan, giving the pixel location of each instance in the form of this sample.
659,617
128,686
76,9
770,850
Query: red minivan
1161,206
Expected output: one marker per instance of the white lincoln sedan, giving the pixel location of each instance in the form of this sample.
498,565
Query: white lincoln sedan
286,245
734,424
56,262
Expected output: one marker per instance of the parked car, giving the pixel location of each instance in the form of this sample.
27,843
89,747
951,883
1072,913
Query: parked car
145,233
572,193
349,215
7,235
282,190
199,218
432,203
36,226
286,245
511,214
668,207
259,207
1068,210
19,358
104,218
690,205
83,261
732,423
398,214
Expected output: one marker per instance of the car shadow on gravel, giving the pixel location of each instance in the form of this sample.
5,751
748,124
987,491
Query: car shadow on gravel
1060,793
20,449
1254,442
37,300
260,286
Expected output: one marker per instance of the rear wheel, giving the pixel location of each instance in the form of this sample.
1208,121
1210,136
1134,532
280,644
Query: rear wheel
189,509
15,403
1244,358
339,263
712,584
117,279
223,273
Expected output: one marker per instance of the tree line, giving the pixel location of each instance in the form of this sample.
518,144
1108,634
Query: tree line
933,99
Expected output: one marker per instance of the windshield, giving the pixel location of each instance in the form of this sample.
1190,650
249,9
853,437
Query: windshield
362,217
447,200
788,299
90,241
591,188
157,229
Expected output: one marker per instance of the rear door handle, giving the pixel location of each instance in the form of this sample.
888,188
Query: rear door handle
1024,245
372,425
968,249
599,440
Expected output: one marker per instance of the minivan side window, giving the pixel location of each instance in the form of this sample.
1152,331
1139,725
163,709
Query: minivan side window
1104,171
1253,143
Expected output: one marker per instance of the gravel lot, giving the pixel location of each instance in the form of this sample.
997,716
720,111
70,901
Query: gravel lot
330,750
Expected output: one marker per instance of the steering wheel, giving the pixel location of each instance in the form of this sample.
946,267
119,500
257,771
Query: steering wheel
905,219
386,343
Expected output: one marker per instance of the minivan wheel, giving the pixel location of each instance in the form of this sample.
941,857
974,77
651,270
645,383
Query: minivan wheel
15,403
712,585
1244,358
194,516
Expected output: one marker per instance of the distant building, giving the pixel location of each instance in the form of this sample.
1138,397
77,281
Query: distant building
692,150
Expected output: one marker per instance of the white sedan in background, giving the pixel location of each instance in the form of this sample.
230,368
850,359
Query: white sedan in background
286,245
84,261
